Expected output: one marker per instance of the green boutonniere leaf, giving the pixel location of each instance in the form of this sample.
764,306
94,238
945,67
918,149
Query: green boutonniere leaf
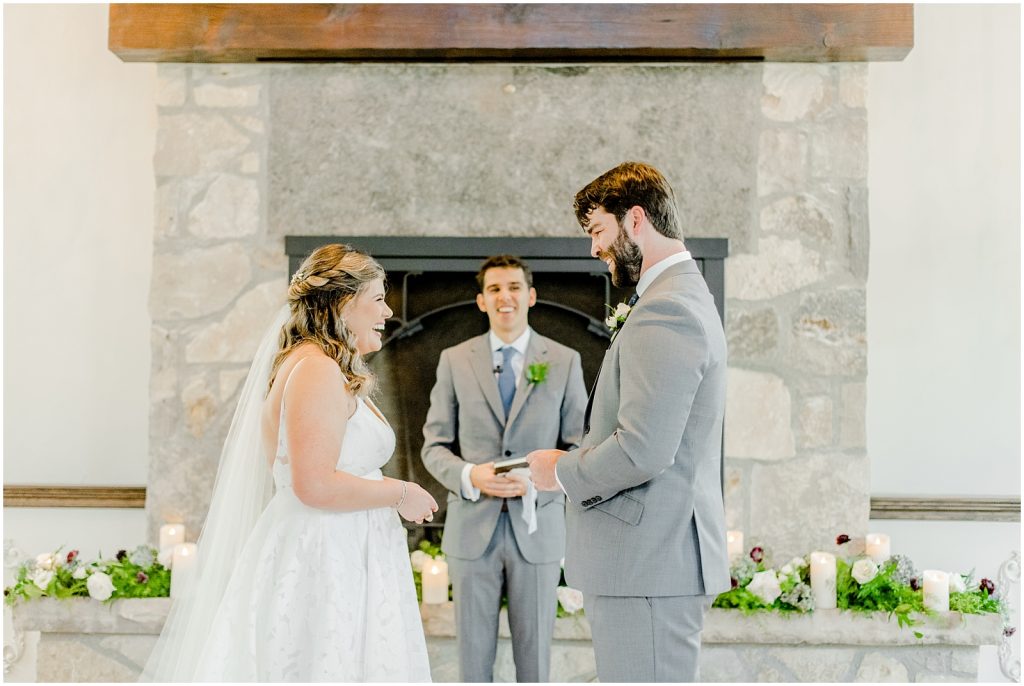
537,372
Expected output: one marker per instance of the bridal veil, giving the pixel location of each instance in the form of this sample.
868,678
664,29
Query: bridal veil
241,491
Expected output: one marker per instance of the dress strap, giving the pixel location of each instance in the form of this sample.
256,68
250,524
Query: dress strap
282,433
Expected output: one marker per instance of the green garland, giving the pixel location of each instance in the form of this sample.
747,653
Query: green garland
132,575
893,590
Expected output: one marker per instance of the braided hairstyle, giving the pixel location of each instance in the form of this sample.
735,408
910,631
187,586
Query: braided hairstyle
327,281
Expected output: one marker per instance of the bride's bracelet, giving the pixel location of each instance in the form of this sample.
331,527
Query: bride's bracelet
405,490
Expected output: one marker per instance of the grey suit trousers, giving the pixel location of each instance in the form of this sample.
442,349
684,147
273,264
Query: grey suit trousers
638,639
477,587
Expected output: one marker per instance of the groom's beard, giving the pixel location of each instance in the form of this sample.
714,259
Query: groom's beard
627,260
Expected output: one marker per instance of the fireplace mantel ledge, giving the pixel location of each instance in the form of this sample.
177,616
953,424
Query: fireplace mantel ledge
824,627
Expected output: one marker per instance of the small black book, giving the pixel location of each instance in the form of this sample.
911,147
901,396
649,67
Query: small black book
509,465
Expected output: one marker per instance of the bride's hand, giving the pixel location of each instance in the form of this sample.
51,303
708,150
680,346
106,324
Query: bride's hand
418,506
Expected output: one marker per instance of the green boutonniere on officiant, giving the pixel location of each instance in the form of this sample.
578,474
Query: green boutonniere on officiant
537,372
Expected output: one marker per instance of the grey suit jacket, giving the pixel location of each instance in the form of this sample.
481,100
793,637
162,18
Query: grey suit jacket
646,515
466,423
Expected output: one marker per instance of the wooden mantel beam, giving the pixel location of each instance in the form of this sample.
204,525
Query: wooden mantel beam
510,33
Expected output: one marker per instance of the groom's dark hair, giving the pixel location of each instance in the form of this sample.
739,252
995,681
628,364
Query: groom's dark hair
628,185
503,262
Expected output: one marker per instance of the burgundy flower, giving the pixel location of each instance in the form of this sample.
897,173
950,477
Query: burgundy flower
987,585
72,555
141,577
757,553
1009,631
735,581
121,555
6,593
842,538
915,584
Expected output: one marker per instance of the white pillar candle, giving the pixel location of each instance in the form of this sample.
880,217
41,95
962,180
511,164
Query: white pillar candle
823,580
936,590
171,535
877,548
435,582
183,569
734,539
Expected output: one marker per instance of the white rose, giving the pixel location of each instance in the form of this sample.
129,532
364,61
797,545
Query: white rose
80,573
787,569
610,321
798,563
45,561
864,570
621,310
956,583
570,599
765,585
42,578
418,557
100,586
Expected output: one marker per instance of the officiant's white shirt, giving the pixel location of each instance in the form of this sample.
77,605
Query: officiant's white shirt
469,491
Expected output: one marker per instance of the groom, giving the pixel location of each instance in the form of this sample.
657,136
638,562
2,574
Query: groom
645,520
498,396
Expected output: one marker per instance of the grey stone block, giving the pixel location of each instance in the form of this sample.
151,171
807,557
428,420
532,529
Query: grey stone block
453,150
780,266
830,333
802,216
758,413
236,337
188,144
877,667
229,209
834,487
782,161
752,334
197,282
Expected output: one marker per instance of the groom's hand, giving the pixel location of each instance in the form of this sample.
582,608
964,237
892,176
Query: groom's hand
483,477
542,469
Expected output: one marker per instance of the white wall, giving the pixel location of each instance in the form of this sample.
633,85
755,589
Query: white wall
79,136
943,302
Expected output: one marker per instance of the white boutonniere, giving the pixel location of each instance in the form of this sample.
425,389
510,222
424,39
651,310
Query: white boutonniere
617,318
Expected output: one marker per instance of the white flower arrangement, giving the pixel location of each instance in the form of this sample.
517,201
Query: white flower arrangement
570,599
864,570
418,558
957,583
100,586
765,585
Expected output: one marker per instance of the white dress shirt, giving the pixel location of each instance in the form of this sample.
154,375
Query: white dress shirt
469,491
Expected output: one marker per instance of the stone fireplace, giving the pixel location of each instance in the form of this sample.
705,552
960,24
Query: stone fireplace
772,157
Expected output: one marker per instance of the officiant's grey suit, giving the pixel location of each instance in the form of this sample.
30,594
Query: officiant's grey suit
466,423
645,519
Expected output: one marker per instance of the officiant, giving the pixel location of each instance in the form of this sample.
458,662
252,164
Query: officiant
497,397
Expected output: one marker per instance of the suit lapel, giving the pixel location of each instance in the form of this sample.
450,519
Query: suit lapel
536,351
483,367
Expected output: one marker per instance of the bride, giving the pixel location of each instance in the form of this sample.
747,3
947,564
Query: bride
316,585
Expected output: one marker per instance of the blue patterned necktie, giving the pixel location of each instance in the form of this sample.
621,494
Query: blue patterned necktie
507,379
632,300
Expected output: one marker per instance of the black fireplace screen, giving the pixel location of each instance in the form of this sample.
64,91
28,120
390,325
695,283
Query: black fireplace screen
432,290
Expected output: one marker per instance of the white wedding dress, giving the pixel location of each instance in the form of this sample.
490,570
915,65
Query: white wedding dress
319,595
